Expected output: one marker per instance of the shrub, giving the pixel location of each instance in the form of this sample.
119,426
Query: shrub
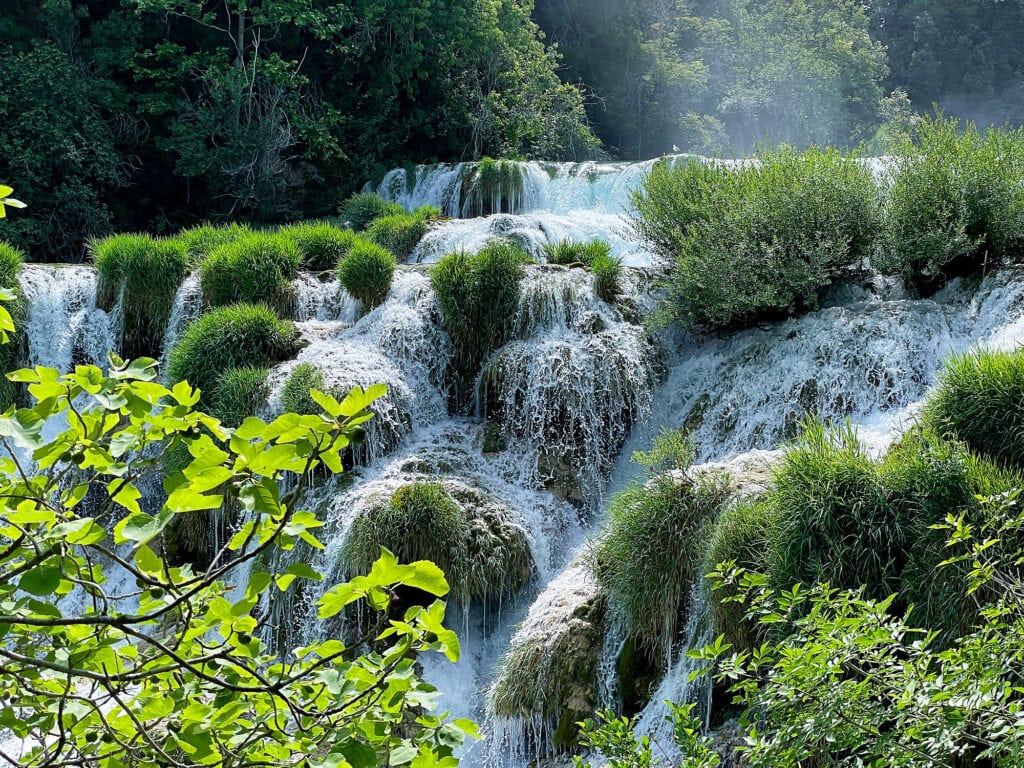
231,337
361,210
399,233
980,400
11,261
482,552
149,272
652,553
321,246
200,241
254,268
367,273
742,535
756,241
955,203
295,397
240,394
479,296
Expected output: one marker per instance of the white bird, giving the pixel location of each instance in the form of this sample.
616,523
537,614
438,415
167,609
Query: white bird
676,149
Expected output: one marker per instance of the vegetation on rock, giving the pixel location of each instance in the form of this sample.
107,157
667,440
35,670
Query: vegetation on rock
321,246
367,272
254,268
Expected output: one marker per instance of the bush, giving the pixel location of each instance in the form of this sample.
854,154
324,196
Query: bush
955,203
238,336
242,392
11,261
367,273
200,241
756,241
652,553
479,297
980,400
295,397
361,210
481,551
321,246
399,233
254,268
742,534
149,272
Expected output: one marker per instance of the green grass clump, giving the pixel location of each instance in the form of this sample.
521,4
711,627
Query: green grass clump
200,241
149,271
494,186
479,296
254,268
607,271
295,397
367,273
757,241
482,554
11,262
362,210
980,401
321,246
240,394
653,551
238,336
400,233
955,203
596,256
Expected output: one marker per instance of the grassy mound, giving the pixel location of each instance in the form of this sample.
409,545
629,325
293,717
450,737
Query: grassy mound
596,256
400,233
362,210
200,241
653,551
240,394
367,272
757,241
479,296
238,336
955,203
483,552
295,396
321,246
149,272
980,401
11,261
254,268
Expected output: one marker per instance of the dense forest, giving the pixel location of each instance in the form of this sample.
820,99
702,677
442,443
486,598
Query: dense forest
154,114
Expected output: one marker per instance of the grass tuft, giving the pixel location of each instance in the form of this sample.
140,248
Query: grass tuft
254,268
200,241
367,272
400,233
321,246
359,211
295,397
240,394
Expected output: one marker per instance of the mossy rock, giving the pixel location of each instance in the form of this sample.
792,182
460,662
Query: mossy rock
476,541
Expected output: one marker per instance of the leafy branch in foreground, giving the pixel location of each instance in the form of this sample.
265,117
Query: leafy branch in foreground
112,657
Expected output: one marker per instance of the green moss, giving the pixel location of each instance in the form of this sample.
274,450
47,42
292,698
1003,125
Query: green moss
400,233
200,241
980,401
254,268
149,272
231,337
321,246
295,397
479,296
367,273
483,553
362,210
240,394
11,261
653,551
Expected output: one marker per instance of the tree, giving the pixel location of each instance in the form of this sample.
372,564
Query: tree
113,656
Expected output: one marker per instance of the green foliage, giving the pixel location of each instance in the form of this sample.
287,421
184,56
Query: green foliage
596,256
955,203
671,450
492,186
400,233
759,240
149,272
479,296
978,400
361,210
483,555
321,246
12,316
652,552
179,662
6,201
238,336
614,739
295,396
367,273
253,268
241,393
607,271
202,240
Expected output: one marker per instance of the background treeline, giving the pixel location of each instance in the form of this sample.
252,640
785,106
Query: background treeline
154,114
